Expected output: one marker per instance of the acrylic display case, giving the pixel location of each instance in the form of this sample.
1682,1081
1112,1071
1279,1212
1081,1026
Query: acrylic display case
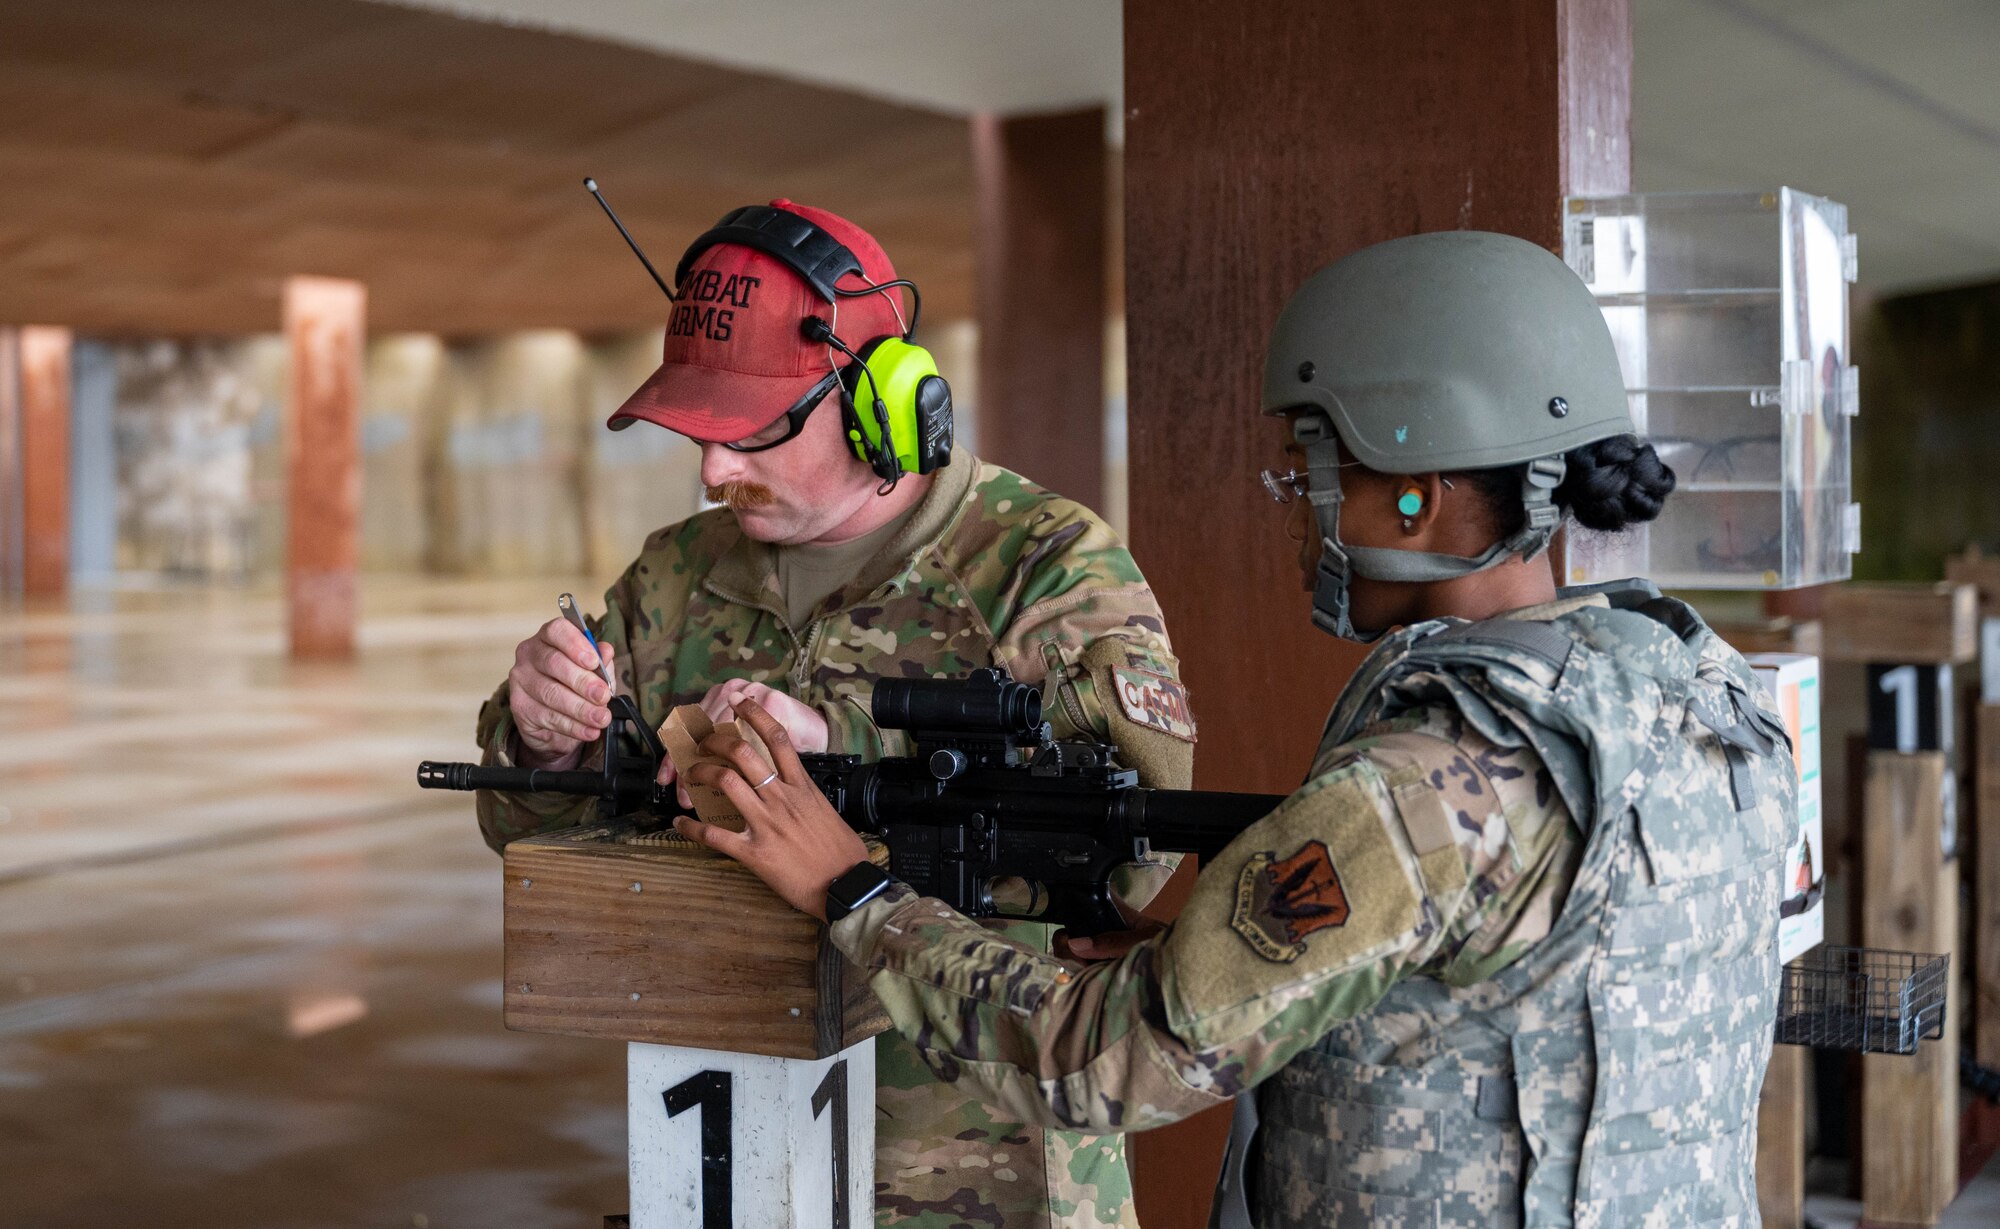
1729,310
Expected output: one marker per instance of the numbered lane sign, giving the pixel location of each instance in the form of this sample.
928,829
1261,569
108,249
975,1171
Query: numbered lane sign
743,1141
1909,708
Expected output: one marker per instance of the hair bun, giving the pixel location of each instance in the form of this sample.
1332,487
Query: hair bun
1614,483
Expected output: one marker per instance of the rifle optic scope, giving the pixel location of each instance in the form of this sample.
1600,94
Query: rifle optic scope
986,702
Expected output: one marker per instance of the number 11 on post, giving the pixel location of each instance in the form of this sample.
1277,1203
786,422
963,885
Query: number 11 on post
733,1141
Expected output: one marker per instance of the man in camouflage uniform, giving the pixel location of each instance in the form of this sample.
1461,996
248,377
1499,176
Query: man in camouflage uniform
1508,956
815,580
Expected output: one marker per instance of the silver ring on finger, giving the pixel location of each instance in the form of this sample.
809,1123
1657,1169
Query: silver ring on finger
766,780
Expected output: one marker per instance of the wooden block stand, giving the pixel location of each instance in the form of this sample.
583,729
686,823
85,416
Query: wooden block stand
652,938
1909,876
1781,1139
750,1077
1928,624
1981,1134
1909,1166
1986,893
1982,572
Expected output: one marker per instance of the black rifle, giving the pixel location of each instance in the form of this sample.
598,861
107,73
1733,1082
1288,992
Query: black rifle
990,801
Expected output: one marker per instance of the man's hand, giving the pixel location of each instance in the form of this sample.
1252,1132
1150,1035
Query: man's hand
792,839
802,721
558,699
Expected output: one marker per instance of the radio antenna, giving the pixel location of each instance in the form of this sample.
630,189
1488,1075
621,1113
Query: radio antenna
590,185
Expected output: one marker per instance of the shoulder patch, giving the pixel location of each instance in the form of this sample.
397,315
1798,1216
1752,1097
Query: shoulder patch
1154,700
1280,901
1359,902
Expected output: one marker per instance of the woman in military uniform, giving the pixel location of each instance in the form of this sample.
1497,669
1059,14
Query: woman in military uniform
1507,957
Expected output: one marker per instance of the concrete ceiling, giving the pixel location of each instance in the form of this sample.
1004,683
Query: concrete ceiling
954,56
1890,108
164,166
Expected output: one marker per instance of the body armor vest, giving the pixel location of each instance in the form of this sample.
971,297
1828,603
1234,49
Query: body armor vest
1610,1075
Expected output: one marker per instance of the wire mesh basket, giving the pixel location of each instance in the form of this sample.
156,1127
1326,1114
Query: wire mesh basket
1863,998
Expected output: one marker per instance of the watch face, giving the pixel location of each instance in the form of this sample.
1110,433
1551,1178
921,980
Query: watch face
854,889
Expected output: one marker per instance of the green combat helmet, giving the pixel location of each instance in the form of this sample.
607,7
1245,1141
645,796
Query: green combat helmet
1440,352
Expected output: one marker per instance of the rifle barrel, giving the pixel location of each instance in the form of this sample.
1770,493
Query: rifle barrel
434,775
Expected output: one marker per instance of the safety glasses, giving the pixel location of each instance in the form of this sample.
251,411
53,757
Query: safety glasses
1292,484
787,426
1285,487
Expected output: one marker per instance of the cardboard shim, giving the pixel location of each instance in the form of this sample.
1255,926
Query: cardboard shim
682,733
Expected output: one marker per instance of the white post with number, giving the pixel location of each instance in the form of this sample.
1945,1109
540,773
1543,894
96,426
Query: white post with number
720,1140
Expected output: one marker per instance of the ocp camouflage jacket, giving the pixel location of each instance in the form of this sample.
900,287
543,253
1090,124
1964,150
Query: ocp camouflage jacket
991,570
1507,958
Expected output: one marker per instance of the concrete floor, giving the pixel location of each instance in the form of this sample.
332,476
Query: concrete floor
249,974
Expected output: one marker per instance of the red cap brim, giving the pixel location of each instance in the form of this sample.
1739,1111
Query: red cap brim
712,406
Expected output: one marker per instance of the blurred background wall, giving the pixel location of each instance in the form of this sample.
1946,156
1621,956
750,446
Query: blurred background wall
481,457
1927,444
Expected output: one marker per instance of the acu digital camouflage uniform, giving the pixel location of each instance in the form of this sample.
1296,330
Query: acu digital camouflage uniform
1507,958
990,570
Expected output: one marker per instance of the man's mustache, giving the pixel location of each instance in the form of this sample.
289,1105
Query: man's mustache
741,496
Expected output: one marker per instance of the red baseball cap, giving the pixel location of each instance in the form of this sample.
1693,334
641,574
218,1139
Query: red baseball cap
735,360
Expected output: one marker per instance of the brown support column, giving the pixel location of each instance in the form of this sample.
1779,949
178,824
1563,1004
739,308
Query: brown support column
1263,141
44,461
1041,191
324,325
10,462
1908,881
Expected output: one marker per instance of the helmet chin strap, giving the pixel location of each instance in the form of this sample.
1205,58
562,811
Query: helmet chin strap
1340,563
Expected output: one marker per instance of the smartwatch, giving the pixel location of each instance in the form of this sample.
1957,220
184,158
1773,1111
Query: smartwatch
862,883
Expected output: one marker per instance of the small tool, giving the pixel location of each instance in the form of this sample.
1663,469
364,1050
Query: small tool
567,605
